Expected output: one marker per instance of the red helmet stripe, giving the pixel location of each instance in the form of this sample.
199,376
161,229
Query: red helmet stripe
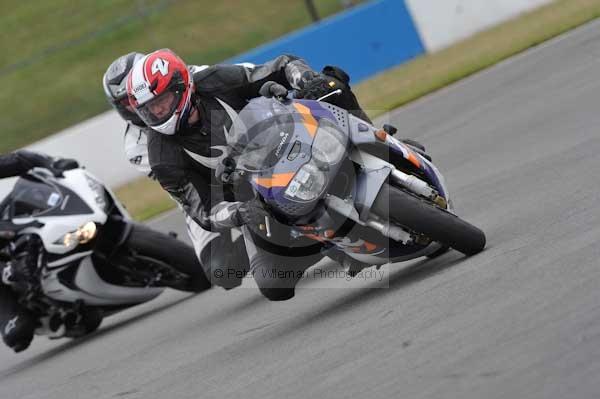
157,73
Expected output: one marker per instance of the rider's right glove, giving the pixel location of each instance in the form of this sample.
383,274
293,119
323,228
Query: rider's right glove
273,89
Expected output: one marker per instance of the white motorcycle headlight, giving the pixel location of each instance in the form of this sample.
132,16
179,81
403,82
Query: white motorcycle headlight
82,235
329,146
308,183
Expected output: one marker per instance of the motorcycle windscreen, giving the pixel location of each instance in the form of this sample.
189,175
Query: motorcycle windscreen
31,198
269,128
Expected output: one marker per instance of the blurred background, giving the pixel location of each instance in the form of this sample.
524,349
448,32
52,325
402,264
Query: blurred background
57,50
395,51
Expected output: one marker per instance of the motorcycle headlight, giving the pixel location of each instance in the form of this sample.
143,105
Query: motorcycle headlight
308,183
82,235
329,146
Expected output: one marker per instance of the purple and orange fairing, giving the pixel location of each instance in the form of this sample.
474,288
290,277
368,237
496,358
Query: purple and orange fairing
273,183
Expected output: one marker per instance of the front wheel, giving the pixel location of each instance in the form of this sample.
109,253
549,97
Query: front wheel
165,255
423,217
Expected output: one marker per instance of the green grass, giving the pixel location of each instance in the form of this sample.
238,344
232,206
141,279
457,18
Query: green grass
55,51
144,198
426,74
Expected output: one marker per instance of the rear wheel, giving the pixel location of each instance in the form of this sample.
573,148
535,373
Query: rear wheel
420,216
175,261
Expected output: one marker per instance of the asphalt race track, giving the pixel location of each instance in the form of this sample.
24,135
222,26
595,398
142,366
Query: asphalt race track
520,148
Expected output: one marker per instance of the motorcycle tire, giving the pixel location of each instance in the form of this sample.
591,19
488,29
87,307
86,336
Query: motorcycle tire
421,216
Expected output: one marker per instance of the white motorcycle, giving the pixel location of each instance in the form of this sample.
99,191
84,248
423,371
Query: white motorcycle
85,257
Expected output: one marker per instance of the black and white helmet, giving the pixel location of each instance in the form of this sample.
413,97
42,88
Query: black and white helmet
114,81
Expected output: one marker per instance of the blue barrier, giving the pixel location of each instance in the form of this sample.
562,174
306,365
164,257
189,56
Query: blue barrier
364,40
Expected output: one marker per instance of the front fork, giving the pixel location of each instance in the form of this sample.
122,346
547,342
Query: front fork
374,173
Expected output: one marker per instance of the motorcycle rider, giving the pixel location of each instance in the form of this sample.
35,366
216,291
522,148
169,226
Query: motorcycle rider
17,324
134,138
206,243
188,115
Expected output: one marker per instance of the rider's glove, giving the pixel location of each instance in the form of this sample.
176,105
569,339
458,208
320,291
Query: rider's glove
307,77
55,166
273,89
314,85
251,213
318,87
62,164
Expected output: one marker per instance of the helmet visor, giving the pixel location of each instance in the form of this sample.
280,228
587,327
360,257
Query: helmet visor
160,108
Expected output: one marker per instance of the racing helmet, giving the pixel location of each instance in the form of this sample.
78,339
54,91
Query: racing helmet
160,88
114,81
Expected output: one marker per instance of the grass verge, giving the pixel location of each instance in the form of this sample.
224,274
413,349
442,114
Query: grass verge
427,74
144,198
